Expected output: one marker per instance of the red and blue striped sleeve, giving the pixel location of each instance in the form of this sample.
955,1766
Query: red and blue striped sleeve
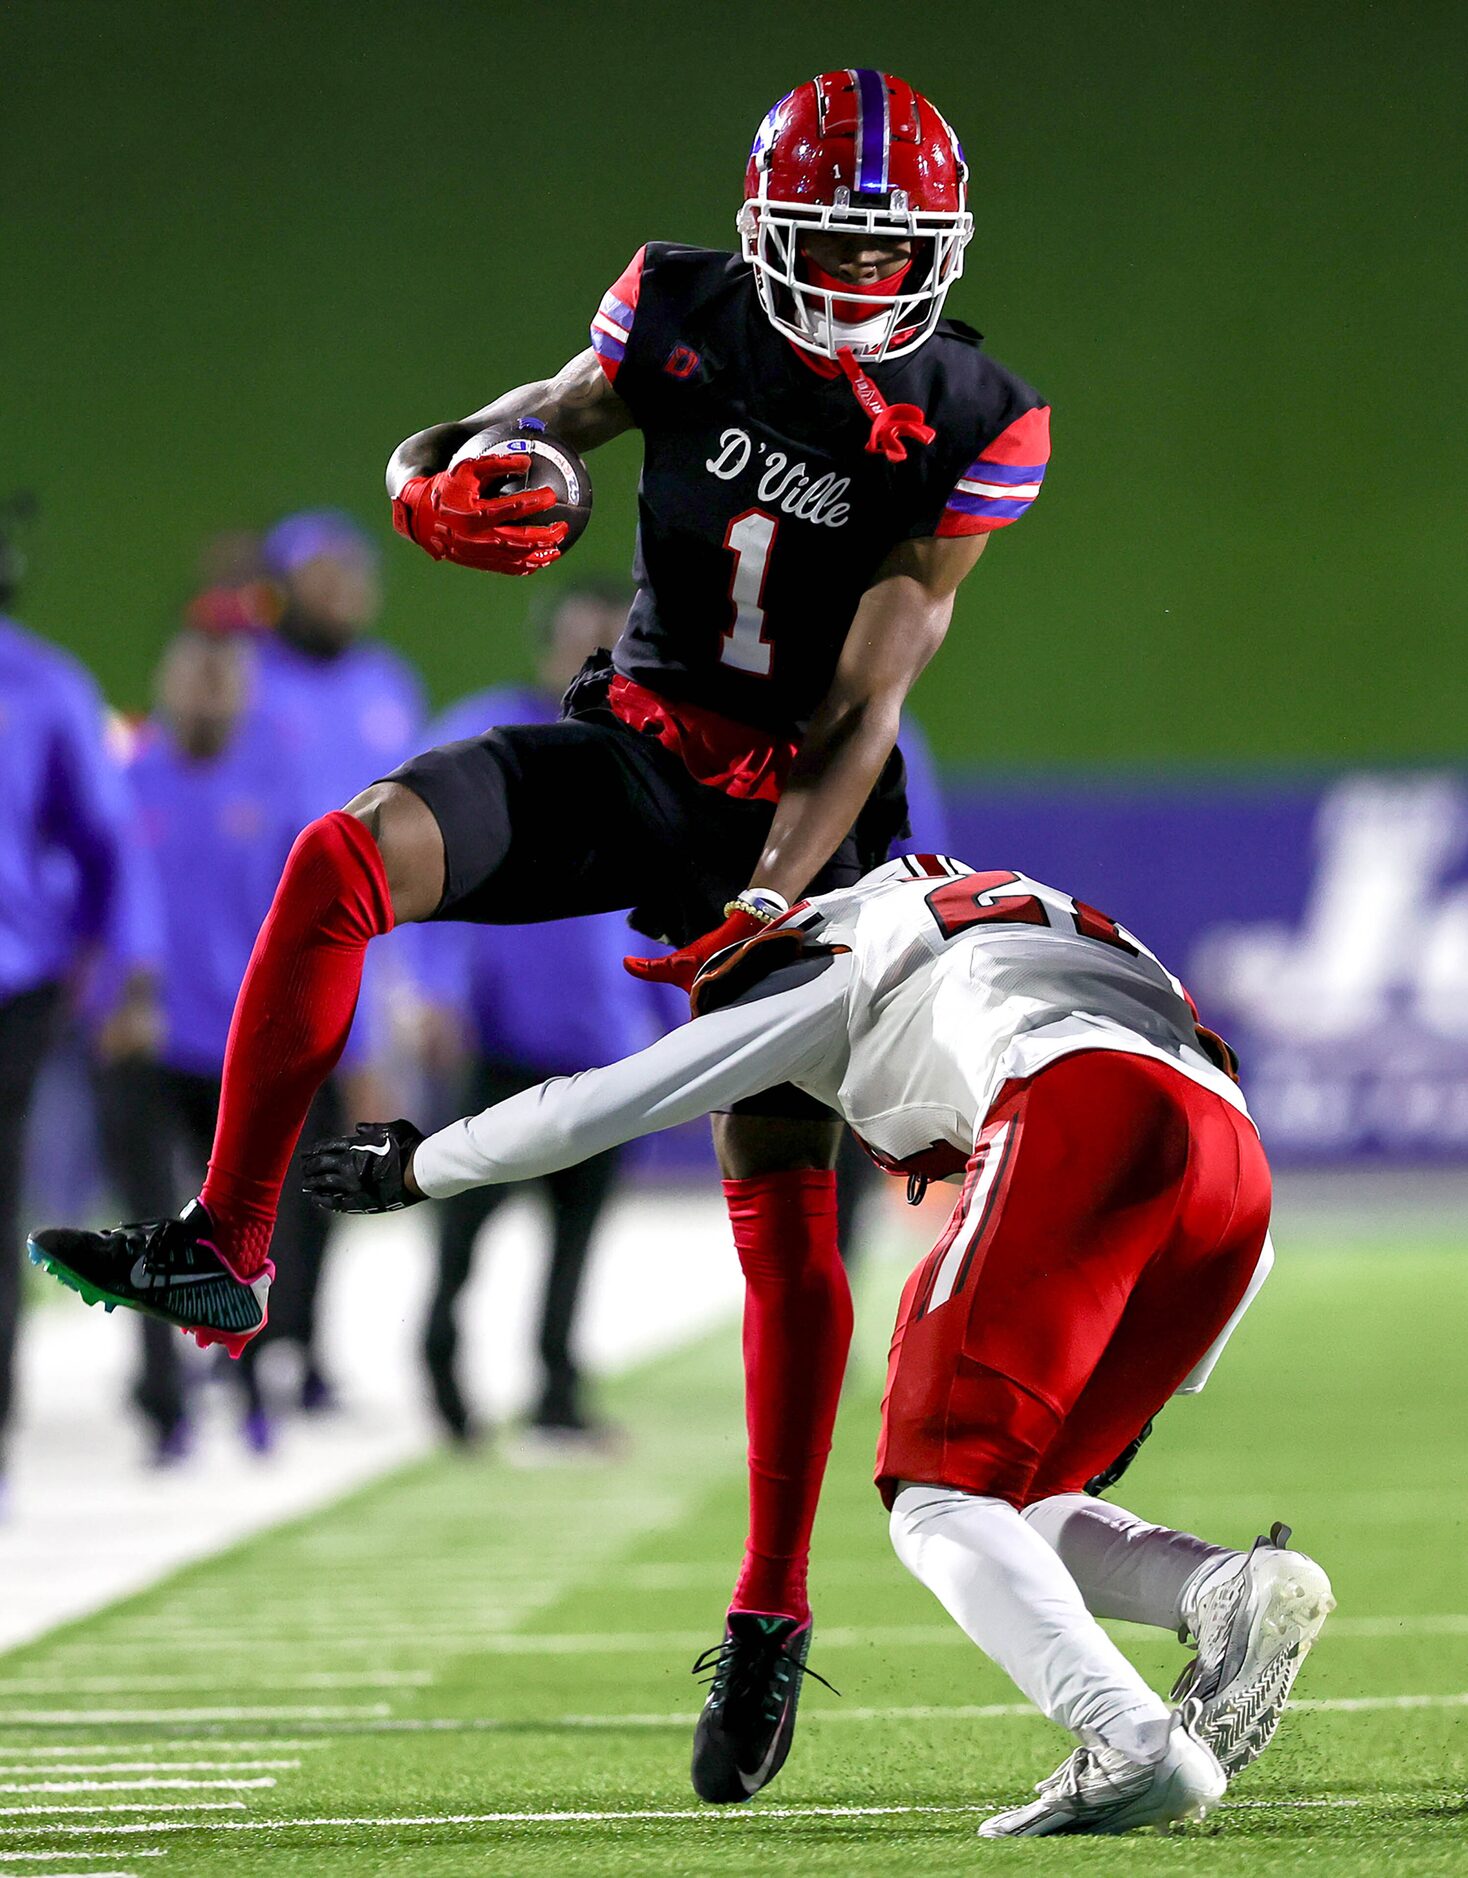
1003,480
611,326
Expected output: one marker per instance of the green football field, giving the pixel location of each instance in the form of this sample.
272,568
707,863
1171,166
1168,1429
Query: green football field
472,1669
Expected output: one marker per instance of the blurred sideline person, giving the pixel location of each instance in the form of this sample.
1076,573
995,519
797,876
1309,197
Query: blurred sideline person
347,708
217,797
234,594
530,1001
63,864
1111,1229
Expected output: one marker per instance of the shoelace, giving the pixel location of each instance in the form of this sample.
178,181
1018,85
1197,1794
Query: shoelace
723,1683
150,1238
1064,1783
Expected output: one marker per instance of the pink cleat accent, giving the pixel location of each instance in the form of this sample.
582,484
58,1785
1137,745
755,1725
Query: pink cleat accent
233,1341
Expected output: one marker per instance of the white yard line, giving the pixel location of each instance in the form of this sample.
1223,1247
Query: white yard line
294,1630
158,1767
126,1806
711,1818
493,1641
286,1640
189,1744
1022,1711
959,1712
148,1784
131,1717
1444,1624
719,1816
124,1685
639,1642
1365,1704
1373,1506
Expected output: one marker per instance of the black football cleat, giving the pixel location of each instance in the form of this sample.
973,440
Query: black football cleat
165,1268
748,1720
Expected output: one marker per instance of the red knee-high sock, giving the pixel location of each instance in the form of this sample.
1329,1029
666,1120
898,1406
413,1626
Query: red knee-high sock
797,1331
290,1024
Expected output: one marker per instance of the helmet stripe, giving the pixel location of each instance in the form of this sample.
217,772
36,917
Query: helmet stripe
873,131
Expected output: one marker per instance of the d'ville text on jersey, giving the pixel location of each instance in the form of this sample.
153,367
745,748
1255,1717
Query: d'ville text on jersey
783,484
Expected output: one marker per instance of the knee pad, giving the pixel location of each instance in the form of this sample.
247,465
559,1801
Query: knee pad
335,880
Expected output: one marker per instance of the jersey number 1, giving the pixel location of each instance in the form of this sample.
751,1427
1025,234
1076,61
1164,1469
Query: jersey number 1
750,537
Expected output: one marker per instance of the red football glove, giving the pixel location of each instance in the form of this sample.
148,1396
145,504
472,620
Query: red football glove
450,517
682,967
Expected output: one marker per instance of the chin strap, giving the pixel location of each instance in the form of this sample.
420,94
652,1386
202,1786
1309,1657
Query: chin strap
892,424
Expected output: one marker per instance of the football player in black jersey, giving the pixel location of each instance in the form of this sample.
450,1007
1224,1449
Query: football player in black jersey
825,457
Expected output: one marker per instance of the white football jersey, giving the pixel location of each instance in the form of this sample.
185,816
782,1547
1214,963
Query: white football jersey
963,980
932,986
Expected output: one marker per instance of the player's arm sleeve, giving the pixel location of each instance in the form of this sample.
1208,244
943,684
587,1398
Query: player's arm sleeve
707,1064
1001,483
613,321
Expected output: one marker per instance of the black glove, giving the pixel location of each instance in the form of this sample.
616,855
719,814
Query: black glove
364,1172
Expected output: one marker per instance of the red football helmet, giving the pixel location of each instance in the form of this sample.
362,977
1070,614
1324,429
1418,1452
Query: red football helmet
855,152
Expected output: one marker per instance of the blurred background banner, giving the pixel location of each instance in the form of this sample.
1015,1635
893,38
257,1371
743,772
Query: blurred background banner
1321,925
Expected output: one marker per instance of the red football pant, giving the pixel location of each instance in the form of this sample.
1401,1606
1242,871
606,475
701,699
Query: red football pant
1110,1221
797,1332
290,1024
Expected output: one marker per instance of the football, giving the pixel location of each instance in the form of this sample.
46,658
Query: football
554,465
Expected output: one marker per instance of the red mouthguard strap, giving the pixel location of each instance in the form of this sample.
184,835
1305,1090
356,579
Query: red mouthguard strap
892,424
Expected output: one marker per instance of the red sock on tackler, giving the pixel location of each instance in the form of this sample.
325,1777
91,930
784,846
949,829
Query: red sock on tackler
290,1025
797,1331
891,423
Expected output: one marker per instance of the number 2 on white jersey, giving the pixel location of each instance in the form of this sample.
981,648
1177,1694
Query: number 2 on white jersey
750,537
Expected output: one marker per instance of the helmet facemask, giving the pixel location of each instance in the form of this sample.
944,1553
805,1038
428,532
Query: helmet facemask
808,315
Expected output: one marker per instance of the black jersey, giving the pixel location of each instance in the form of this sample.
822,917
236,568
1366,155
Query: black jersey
762,516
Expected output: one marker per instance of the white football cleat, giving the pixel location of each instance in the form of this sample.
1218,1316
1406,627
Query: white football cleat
1254,1628
1102,1790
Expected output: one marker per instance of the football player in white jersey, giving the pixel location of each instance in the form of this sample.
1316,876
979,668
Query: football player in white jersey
1111,1228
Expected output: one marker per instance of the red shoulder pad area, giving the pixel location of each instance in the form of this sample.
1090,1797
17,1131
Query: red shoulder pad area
1003,480
611,325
